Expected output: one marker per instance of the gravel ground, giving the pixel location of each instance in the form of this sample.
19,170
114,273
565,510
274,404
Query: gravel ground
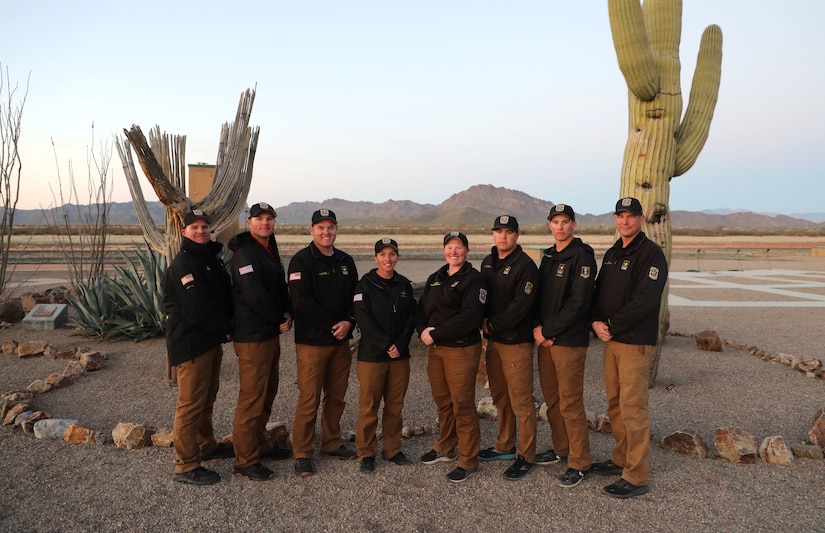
54,486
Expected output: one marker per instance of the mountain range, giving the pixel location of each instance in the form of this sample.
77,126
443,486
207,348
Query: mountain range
476,206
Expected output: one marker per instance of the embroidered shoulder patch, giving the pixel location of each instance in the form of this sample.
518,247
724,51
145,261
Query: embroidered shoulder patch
246,270
653,274
294,276
188,278
585,272
482,296
358,297
528,287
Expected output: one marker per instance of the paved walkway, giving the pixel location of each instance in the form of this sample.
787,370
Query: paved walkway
748,288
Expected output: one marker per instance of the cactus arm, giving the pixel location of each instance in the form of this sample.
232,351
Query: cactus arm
633,49
704,92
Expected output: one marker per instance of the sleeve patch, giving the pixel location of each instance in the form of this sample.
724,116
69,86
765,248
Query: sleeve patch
358,297
246,270
653,274
187,279
528,287
294,276
482,296
585,272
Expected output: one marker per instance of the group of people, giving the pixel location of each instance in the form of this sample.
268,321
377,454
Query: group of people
513,304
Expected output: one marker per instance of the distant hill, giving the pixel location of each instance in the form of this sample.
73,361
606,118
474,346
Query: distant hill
474,207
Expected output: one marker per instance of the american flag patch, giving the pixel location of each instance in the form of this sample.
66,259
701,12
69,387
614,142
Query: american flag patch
246,270
189,278
294,276
358,297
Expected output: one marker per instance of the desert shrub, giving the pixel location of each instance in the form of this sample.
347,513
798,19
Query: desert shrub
128,306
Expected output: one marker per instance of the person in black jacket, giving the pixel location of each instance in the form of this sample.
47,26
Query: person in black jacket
262,313
198,301
567,271
626,317
448,317
385,312
322,282
511,277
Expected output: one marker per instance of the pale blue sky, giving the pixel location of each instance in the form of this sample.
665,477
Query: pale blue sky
377,100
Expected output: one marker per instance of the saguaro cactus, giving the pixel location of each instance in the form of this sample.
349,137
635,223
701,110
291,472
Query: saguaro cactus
661,143
163,161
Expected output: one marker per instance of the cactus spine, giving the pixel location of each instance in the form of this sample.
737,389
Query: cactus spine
661,143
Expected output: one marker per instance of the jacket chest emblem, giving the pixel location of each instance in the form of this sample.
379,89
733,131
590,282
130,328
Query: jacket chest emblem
625,264
560,270
344,270
454,284
507,270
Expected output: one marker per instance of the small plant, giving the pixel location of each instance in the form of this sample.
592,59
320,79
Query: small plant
128,306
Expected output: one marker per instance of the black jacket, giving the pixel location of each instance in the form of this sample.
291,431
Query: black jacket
567,283
259,286
385,312
453,305
629,290
512,285
321,288
197,295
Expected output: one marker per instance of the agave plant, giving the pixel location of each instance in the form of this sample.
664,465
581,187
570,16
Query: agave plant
128,306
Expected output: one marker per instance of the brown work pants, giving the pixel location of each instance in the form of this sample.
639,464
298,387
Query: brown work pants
321,370
452,373
510,373
626,375
561,375
198,382
258,371
387,380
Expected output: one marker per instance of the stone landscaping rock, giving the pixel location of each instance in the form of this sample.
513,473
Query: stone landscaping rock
91,360
65,354
163,438
9,347
709,341
39,386
131,436
736,445
775,451
74,370
807,451
11,310
58,381
76,434
816,435
52,428
10,399
28,420
31,348
13,412
686,442
487,409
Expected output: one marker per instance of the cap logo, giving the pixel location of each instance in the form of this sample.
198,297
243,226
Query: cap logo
454,233
626,202
324,212
197,212
263,205
559,207
504,219
386,240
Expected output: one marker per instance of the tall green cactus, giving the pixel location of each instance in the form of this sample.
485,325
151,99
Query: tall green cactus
661,143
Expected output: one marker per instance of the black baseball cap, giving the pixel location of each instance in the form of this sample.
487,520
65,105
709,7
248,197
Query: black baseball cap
456,235
562,209
261,207
506,221
629,204
380,244
323,214
194,214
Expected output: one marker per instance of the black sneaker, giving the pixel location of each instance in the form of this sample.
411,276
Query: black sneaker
223,451
303,467
548,458
519,469
256,472
491,454
459,475
432,457
572,477
278,453
368,464
198,476
606,468
400,459
342,452
624,489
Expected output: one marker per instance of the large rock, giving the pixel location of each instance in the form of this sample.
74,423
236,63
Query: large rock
736,445
28,420
9,347
12,413
278,434
487,409
808,366
76,434
91,360
52,428
39,386
163,438
73,370
129,436
807,451
775,451
31,348
11,310
69,354
816,435
709,341
58,381
10,399
686,442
